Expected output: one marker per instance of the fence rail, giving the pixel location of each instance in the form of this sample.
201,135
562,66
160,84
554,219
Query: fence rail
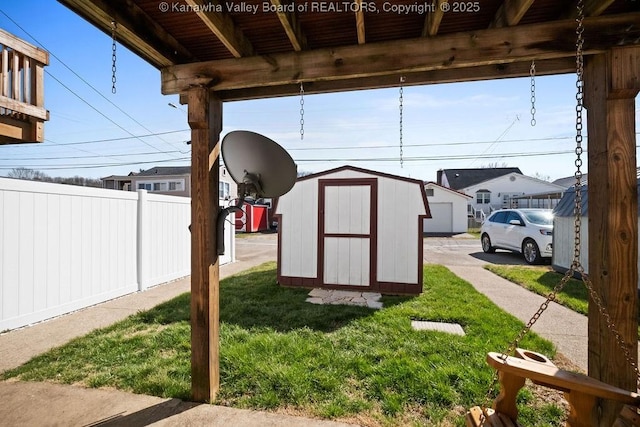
63,247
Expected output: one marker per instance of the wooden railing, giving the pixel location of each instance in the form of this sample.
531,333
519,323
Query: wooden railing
22,112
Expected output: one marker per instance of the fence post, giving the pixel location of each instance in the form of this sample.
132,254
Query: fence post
141,237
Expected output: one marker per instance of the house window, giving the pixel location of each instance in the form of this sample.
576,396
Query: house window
175,186
159,186
143,186
223,189
483,197
429,192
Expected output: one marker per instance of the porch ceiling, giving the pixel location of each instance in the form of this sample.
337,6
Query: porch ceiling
331,45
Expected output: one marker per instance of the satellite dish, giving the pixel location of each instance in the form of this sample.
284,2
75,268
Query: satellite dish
261,167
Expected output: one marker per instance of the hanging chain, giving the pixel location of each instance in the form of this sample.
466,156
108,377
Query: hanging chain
402,80
301,111
532,74
113,56
576,266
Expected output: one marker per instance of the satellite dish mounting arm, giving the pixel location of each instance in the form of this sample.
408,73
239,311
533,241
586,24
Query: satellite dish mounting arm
250,186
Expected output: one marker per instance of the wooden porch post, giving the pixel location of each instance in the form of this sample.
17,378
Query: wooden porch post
205,120
612,81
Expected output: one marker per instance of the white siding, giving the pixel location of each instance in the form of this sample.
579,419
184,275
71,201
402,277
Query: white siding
299,230
513,184
399,204
563,243
457,204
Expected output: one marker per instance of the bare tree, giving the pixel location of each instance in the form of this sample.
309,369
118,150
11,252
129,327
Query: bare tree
22,173
494,165
33,175
542,177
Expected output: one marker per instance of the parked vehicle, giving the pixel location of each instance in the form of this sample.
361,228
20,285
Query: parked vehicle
527,231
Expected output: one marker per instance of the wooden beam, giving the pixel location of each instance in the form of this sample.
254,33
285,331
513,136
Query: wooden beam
291,25
613,217
23,107
510,13
222,26
362,39
14,131
136,30
460,50
433,19
205,120
485,72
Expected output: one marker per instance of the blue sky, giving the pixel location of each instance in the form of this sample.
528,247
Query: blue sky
460,125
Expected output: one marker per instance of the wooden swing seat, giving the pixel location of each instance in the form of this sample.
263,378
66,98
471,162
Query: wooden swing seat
580,391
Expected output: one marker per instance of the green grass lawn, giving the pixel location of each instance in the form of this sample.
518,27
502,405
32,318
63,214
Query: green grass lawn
542,280
279,353
475,232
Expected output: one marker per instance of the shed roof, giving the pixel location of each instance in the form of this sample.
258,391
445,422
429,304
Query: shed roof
566,205
418,182
451,190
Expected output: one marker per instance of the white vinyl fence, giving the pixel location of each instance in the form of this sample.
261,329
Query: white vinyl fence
63,248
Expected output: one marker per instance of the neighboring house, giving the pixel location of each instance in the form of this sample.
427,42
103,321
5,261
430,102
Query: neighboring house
570,181
448,210
170,180
174,180
459,179
564,231
354,229
498,188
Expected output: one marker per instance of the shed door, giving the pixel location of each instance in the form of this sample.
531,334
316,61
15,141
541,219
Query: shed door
347,237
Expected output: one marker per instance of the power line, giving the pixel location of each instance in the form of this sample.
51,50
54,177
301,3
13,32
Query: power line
123,138
440,158
95,166
440,144
87,157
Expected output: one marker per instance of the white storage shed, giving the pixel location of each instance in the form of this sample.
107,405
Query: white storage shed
449,212
352,228
564,231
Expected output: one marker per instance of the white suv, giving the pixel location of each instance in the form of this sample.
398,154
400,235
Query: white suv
528,231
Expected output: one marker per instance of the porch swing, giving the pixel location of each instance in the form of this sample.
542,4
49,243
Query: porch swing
515,365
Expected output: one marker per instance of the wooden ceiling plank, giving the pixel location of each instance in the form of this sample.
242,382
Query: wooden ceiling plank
591,8
291,25
510,13
221,24
135,30
596,7
458,50
433,19
485,72
362,39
